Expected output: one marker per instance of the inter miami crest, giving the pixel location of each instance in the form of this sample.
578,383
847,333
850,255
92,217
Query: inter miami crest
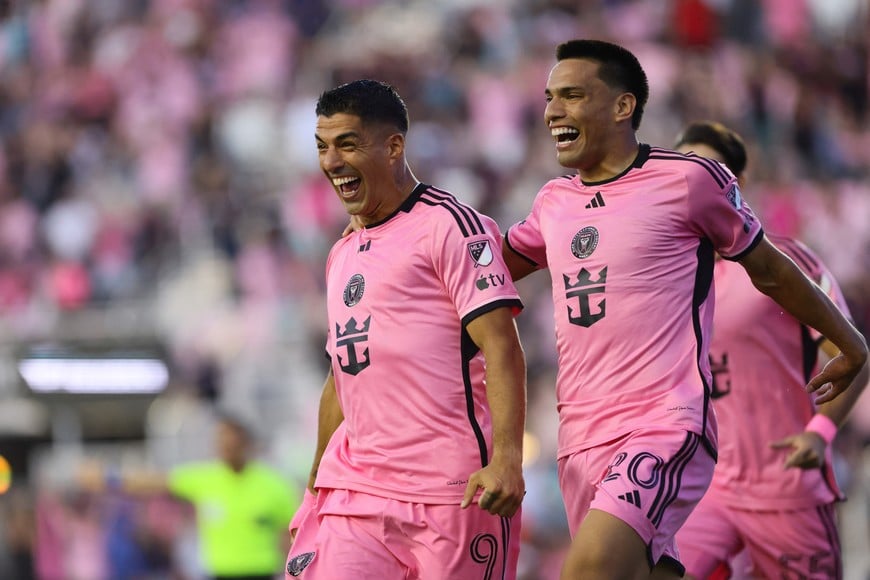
481,253
585,241
296,565
353,291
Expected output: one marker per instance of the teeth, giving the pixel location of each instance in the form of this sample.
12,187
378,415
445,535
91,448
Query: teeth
339,181
556,131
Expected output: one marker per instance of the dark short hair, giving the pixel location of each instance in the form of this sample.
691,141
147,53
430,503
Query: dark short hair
726,142
372,101
618,68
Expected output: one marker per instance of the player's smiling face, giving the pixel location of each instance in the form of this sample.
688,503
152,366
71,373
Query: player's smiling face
580,113
359,162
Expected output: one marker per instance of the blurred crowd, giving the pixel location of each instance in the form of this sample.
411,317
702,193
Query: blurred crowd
157,161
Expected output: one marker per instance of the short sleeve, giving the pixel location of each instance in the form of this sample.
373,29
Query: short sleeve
185,481
718,211
472,269
525,237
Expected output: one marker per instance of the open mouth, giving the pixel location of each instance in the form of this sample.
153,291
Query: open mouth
564,135
348,186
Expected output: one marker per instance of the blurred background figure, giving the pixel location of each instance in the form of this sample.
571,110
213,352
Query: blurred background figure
774,490
159,194
242,509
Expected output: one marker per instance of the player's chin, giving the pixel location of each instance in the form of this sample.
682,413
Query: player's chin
568,158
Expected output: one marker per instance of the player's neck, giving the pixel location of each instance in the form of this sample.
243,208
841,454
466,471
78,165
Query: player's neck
614,163
406,183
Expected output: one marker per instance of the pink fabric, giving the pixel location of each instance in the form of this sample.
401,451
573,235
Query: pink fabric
69,284
254,51
787,22
633,312
411,387
758,348
714,534
18,227
308,501
651,479
357,535
824,426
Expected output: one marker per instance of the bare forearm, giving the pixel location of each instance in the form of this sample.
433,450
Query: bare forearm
506,395
495,333
804,300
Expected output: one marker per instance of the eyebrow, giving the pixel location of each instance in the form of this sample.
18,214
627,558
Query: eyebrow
562,90
345,135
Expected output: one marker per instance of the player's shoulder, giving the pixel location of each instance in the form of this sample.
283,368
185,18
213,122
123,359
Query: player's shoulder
695,169
568,180
341,244
442,210
556,188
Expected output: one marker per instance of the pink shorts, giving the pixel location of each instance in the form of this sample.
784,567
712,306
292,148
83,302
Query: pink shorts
651,479
800,543
350,534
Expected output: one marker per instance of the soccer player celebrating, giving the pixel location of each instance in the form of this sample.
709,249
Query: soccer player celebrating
757,349
424,407
629,240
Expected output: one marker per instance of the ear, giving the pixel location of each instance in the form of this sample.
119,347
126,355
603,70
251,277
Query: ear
624,106
395,146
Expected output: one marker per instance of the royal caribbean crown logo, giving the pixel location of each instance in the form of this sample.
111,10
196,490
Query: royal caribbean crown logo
352,337
581,290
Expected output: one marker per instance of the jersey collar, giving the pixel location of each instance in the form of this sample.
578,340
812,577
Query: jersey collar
642,155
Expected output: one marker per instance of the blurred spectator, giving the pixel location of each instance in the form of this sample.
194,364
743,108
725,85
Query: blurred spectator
243,508
155,155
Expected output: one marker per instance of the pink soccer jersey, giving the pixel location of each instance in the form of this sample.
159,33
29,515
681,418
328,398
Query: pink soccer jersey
762,359
408,376
631,260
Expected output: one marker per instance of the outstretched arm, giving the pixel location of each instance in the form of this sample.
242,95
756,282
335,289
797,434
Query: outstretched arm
495,333
774,274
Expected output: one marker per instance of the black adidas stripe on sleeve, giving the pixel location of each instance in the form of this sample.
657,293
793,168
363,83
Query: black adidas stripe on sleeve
467,219
714,168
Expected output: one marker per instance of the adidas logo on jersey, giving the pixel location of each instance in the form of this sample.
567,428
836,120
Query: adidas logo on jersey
633,498
596,201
